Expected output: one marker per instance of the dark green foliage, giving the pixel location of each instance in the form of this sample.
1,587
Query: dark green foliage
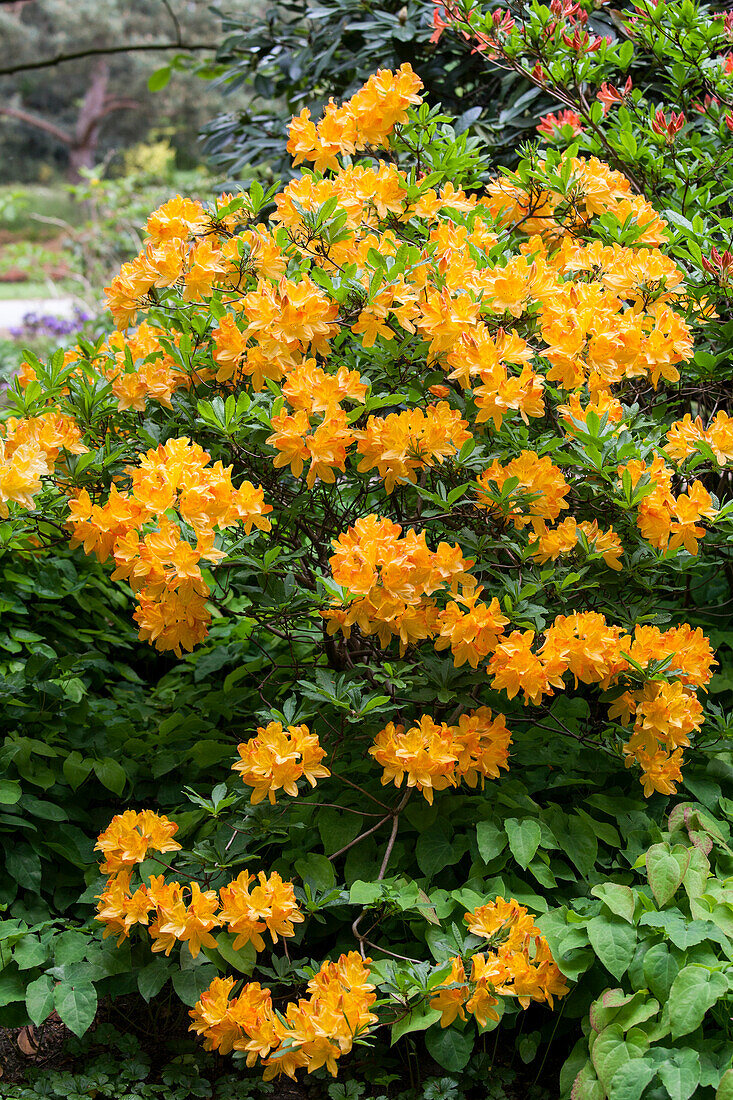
300,53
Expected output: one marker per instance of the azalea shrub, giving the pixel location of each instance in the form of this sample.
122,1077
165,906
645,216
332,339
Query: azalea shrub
428,443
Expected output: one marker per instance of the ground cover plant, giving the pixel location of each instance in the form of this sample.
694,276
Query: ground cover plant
413,450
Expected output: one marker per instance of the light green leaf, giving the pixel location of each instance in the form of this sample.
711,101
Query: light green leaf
680,1075
418,1019
619,899
613,941
664,873
490,839
243,959
158,80
76,1004
725,1088
10,792
629,1082
524,839
694,991
39,999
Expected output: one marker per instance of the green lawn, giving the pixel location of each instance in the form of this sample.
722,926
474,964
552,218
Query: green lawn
43,288
51,201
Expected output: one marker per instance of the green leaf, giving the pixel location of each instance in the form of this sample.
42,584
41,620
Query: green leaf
158,80
524,839
694,991
664,873
619,899
725,1088
337,829
418,1019
660,970
680,1074
70,947
25,867
490,839
12,988
76,1004
629,1082
434,850
190,984
39,999
110,774
579,844
586,1085
152,978
10,792
243,959
609,1053
613,941
30,952
317,871
450,1047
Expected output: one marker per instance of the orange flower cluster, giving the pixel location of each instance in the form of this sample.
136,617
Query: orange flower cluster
317,430
563,539
131,835
313,1032
470,627
154,372
277,758
685,435
365,120
666,521
184,914
402,443
519,965
434,755
29,450
539,494
389,578
584,645
150,550
665,716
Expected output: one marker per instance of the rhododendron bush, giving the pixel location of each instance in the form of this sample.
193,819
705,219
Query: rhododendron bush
421,436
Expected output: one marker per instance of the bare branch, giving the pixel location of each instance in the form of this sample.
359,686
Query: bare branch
105,51
39,123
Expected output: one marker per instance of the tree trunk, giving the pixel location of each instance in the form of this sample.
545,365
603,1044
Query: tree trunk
83,140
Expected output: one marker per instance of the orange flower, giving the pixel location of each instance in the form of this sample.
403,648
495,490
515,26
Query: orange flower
278,758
